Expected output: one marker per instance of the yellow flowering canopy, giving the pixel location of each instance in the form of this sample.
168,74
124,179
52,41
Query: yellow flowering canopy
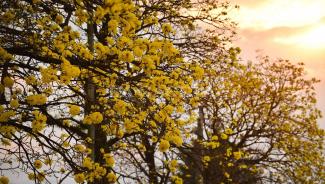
102,86
258,123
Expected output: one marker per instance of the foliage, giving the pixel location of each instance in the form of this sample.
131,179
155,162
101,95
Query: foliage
258,125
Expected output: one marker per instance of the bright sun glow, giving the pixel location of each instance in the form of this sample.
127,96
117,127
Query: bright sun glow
311,39
278,13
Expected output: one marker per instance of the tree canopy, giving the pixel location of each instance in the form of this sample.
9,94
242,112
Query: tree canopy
147,91
258,125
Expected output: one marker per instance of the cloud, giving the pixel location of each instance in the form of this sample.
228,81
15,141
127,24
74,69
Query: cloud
250,3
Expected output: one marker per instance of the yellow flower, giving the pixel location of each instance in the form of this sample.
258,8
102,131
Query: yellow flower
87,163
137,51
126,56
173,165
58,19
109,159
4,116
31,176
80,148
79,178
41,176
69,71
176,140
177,180
214,138
8,82
48,161
112,26
227,175
120,107
93,118
62,170
38,164
31,80
66,122
74,110
4,180
206,159
229,152
40,121
229,131
166,28
111,177
243,166
164,145
224,136
38,99
4,55
48,74
14,103
237,155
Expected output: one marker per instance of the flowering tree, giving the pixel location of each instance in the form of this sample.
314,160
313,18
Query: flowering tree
257,124
97,90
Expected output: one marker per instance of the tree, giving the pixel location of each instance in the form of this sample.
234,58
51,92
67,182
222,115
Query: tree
258,125
98,89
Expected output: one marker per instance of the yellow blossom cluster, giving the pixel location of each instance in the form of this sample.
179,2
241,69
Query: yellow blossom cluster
49,74
111,177
109,159
8,82
74,110
87,163
174,137
95,170
79,178
93,118
80,148
172,165
38,99
224,136
40,177
38,164
120,107
4,116
4,56
39,123
48,161
4,180
7,131
177,180
237,155
31,80
166,29
68,72
14,103
164,145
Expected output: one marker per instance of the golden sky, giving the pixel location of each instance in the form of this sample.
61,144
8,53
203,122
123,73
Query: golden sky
288,29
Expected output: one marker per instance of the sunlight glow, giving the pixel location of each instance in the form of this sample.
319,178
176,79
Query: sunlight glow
310,39
279,13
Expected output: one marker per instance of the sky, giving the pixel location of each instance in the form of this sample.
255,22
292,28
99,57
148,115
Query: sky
287,29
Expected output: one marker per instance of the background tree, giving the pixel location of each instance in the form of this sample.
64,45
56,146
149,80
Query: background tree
258,124
98,89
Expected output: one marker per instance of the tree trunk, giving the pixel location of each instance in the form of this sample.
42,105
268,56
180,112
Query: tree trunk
95,132
198,171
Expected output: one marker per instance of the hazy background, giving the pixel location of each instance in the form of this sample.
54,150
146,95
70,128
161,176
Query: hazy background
288,29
